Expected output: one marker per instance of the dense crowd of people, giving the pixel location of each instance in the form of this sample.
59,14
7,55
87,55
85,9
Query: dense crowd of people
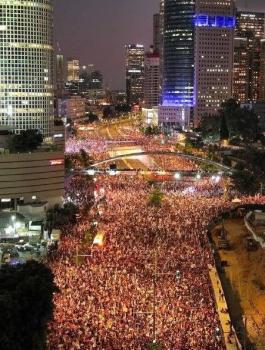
153,265
149,280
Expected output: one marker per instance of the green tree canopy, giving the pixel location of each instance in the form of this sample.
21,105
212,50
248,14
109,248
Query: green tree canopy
26,304
224,131
232,121
26,141
156,198
58,216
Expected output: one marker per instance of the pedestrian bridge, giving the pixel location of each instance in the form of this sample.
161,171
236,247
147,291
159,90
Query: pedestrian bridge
194,158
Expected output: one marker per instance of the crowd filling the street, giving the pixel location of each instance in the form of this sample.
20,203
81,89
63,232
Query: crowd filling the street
148,279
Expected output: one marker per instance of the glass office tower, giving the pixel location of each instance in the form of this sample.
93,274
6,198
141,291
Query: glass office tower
26,65
197,60
178,65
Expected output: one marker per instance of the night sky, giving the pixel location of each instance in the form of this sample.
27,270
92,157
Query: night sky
97,30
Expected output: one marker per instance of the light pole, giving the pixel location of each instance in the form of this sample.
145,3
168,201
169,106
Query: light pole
13,218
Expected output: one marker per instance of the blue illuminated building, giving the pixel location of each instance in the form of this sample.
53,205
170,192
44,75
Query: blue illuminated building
215,21
178,69
197,58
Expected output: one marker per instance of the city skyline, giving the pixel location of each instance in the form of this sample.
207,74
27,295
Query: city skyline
90,25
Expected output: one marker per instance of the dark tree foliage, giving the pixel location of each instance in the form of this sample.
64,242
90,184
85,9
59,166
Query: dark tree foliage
26,141
26,304
122,108
91,118
156,198
245,181
250,174
108,112
224,132
153,346
58,216
210,126
84,158
241,123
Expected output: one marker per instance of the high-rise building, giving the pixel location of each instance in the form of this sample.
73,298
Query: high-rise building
73,70
60,73
197,59
262,72
96,80
214,47
250,30
156,32
26,65
135,55
151,79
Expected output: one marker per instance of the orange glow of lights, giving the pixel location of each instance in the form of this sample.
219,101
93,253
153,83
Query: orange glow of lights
98,240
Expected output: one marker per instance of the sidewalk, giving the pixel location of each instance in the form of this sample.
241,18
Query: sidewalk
229,334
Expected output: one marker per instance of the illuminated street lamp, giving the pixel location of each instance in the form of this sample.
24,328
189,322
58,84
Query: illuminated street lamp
177,176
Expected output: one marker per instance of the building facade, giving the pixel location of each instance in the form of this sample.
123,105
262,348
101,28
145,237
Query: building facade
72,107
151,79
156,32
214,47
73,70
60,75
197,59
26,65
262,72
135,56
250,30
31,177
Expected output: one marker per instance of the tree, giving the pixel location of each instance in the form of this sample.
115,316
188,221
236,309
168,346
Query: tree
108,112
244,181
210,126
250,172
224,132
26,304
153,346
91,118
59,216
84,158
26,141
156,198
241,122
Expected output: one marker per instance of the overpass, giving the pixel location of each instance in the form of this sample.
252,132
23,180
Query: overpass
194,158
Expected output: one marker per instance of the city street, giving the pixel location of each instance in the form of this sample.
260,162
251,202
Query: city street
149,279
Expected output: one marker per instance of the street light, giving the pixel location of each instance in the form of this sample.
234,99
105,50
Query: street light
177,176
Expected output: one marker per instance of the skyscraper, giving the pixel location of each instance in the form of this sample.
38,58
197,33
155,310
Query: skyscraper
60,73
197,59
250,30
26,65
214,46
156,32
135,55
262,72
151,79
73,70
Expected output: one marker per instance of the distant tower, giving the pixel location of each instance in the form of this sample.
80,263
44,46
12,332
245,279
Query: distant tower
60,72
197,59
156,32
248,71
135,55
26,65
151,79
73,70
